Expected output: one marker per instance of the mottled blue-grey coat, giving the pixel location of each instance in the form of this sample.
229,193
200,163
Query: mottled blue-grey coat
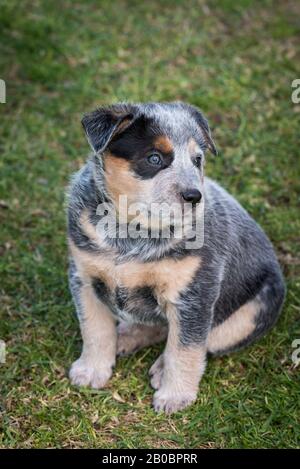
215,298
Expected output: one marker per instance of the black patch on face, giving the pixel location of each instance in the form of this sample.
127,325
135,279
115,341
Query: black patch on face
135,145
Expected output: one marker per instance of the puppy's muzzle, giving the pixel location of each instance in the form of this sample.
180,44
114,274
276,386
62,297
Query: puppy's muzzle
192,196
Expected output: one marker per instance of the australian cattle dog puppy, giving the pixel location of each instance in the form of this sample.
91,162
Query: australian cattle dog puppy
136,279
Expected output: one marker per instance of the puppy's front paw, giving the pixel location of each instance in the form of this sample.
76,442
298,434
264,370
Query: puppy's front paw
82,373
156,372
170,400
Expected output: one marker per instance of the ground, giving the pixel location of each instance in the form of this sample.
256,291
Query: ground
236,61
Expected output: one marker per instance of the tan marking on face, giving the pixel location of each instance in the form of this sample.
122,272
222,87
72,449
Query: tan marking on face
168,277
193,147
120,180
163,143
234,329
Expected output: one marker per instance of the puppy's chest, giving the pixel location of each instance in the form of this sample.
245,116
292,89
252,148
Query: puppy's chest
139,304
134,289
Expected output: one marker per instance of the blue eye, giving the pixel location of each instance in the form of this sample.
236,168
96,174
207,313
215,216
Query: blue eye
155,159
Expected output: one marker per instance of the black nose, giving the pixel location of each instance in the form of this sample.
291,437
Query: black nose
192,195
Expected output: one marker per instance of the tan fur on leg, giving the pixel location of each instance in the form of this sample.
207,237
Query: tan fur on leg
94,367
183,367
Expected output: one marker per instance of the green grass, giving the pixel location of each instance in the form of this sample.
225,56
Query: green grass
236,60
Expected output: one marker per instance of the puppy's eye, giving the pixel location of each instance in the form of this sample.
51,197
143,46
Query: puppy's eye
155,159
197,161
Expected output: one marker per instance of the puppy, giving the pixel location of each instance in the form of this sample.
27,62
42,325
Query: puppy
209,297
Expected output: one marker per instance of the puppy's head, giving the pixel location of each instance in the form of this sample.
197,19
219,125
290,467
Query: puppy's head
151,153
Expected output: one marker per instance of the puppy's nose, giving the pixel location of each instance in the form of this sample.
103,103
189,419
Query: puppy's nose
192,195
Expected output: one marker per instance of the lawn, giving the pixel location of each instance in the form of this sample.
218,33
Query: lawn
236,60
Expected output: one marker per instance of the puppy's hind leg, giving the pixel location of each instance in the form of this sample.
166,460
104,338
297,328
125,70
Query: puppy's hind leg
251,321
133,337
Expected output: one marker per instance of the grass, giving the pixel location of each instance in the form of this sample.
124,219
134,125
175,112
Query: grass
236,60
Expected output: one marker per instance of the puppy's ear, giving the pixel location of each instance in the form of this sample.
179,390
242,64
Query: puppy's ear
105,122
203,124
